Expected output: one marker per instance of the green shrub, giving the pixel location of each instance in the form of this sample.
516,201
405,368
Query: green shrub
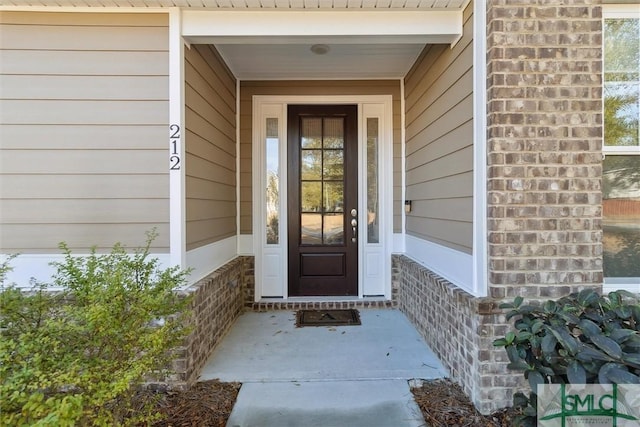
583,338
75,351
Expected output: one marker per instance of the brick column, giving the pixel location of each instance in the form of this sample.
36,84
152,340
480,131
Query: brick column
544,147
544,90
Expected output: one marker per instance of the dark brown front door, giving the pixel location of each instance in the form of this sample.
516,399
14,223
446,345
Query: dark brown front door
323,198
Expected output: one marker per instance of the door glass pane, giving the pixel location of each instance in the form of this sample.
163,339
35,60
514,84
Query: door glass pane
333,132
311,229
333,196
322,180
373,226
333,229
333,165
311,196
311,132
621,216
311,165
273,181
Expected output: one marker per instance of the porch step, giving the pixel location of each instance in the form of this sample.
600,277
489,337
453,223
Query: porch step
368,403
269,305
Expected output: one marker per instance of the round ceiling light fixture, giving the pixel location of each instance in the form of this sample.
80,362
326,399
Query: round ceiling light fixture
320,49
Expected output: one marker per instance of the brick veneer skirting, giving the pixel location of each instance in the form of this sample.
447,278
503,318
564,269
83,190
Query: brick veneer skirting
218,300
460,329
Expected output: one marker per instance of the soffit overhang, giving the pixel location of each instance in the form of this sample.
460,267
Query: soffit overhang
371,44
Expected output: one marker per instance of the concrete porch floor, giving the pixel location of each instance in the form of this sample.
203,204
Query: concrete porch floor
324,376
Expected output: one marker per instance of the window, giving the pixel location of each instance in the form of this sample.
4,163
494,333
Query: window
621,166
272,192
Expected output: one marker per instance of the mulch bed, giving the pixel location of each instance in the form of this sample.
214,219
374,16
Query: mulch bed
443,403
209,404
205,404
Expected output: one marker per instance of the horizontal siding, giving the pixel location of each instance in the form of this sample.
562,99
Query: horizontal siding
80,237
83,162
452,186
86,211
352,87
102,137
94,38
72,112
93,186
112,88
210,118
84,63
69,19
84,114
439,143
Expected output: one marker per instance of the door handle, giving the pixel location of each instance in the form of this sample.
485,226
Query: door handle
354,230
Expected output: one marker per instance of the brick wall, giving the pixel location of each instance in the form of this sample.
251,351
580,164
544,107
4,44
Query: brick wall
218,300
544,89
442,313
459,328
544,146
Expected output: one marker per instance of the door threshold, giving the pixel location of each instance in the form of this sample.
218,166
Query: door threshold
321,303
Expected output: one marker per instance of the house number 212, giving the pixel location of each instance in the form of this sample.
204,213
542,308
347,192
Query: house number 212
174,140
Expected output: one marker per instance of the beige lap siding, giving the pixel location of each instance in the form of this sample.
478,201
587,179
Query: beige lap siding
315,88
210,119
83,128
439,143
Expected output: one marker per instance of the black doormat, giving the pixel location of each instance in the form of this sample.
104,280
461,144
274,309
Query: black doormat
327,318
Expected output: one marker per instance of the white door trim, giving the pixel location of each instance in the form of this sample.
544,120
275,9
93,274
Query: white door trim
368,105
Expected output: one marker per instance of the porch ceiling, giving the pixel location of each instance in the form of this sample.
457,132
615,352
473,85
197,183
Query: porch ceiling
281,44
343,61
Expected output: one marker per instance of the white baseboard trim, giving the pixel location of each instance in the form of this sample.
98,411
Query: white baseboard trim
455,266
245,244
208,258
631,284
398,243
38,266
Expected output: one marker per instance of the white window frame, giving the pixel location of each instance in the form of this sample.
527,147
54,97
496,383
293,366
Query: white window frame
609,12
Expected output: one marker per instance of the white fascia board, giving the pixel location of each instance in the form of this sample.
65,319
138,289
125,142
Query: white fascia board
261,26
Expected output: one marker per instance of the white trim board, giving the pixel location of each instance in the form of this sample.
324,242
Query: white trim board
206,259
245,244
455,266
398,246
38,266
176,142
480,244
352,27
630,284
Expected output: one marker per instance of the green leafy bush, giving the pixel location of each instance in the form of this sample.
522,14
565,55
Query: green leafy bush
74,352
583,338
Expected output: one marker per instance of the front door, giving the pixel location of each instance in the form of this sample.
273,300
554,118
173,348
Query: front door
323,200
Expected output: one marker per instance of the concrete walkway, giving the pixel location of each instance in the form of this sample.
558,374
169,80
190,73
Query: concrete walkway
345,376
